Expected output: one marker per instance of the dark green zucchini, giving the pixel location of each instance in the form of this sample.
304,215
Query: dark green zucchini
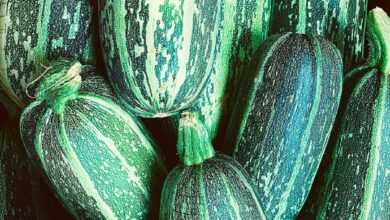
159,54
206,185
357,184
35,32
98,158
342,22
283,118
245,26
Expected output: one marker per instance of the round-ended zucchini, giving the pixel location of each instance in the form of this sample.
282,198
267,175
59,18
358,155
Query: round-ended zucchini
16,198
36,31
98,158
283,118
342,22
357,184
206,185
245,26
159,53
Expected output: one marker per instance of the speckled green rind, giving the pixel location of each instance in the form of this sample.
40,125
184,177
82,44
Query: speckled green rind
98,158
245,26
16,199
159,53
358,182
341,21
36,31
281,128
219,188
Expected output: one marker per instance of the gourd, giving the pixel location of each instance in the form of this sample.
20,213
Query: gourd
283,118
357,184
159,54
341,22
245,26
207,185
98,158
34,32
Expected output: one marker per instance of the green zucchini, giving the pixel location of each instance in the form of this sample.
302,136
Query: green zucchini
283,118
159,53
207,185
245,26
98,158
36,31
342,22
357,184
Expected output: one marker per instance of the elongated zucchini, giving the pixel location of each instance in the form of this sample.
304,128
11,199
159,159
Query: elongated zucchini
283,118
98,158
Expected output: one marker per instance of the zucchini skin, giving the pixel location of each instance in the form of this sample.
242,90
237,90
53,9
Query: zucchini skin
245,26
361,155
341,22
219,188
283,118
159,54
35,32
98,158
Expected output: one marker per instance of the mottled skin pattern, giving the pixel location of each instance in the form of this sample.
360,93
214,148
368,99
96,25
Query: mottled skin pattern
219,188
341,21
98,158
16,199
34,32
358,182
159,53
245,26
281,128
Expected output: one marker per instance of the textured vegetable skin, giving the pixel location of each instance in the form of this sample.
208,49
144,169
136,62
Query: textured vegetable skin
98,158
35,32
341,22
159,54
283,118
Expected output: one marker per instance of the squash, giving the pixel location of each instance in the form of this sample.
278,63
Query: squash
36,31
362,152
245,26
98,158
283,118
159,54
207,185
342,22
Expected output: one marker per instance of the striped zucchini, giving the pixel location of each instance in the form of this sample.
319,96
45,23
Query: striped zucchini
98,158
341,21
283,118
357,184
35,31
206,185
245,26
16,199
159,53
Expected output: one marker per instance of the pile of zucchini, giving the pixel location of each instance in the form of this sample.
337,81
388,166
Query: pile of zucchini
178,109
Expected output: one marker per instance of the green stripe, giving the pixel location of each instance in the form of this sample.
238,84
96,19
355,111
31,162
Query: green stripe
42,30
375,150
306,136
85,181
301,27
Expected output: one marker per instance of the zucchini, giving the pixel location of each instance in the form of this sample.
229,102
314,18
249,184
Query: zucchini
245,26
283,118
98,158
357,184
207,185
159,54
36,31
342,22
